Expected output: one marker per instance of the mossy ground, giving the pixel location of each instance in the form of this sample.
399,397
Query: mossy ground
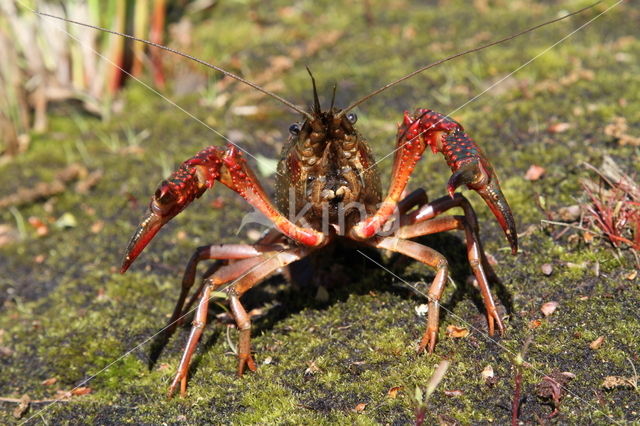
68,314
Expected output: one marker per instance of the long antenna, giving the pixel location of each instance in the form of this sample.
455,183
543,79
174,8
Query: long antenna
475,49
177,52
316,100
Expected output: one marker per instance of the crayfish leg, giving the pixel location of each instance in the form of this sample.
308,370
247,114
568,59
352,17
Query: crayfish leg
234,279
199,323
422,222
243,320
431,258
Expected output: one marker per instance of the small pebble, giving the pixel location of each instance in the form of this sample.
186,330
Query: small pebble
549,308
487,373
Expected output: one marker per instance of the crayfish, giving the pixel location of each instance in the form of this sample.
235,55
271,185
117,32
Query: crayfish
328,188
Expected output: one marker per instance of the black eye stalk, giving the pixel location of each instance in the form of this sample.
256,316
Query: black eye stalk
294,129
352,118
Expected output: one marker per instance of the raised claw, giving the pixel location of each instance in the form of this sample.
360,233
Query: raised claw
172,196
192,179
477,174
471,168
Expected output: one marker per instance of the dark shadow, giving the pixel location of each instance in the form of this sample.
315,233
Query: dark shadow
340,268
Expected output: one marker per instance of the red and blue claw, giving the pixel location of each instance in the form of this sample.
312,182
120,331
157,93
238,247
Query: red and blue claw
172,196
471,168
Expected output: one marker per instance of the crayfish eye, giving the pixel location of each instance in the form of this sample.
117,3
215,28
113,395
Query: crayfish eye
352,118
294,129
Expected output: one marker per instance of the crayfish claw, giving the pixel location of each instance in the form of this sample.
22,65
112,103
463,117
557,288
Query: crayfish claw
471,174
471,168
171,197
493,196
147,229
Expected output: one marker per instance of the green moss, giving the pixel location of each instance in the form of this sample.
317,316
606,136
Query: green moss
72,316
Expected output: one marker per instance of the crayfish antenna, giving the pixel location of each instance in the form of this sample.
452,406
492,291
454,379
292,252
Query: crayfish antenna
316,100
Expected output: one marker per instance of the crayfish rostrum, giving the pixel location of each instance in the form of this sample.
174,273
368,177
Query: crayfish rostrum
328,188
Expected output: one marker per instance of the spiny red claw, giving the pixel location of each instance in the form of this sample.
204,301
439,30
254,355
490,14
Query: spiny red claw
467,162
476,173
172,196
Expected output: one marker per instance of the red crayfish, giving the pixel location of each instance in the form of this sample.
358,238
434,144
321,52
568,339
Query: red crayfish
328,188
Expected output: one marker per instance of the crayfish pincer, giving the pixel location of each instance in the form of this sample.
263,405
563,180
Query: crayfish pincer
328,188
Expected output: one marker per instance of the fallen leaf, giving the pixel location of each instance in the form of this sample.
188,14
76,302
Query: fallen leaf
393,392
82,390
491,259
612,382
244,110
457,332
570,213
41,228
8,235
50,381
421,310
22,407
360,407
632,275
552,387
254,234
534,172
280,63
547,269
97,226
322,295
63,394
618,129
559,127
549,308
533,324
67,220
597,343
